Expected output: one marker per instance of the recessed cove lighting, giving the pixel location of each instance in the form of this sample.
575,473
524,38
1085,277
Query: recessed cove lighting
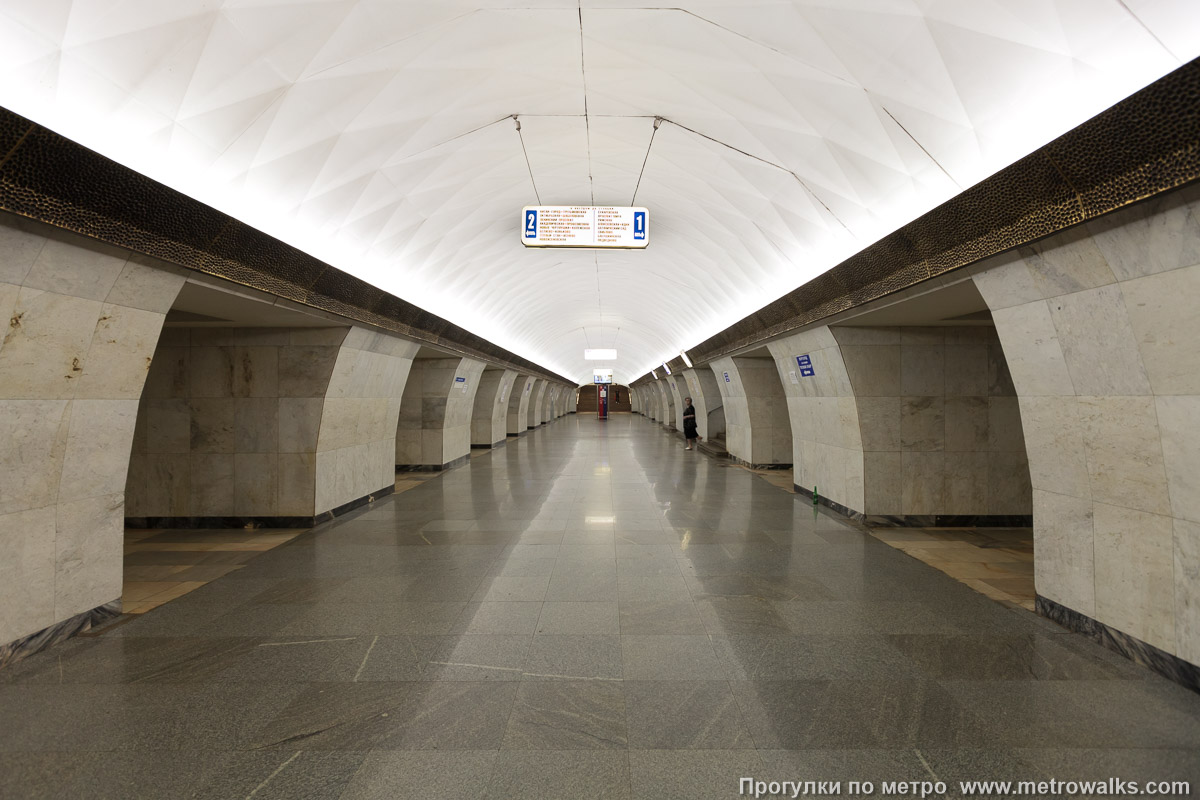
654,372
685,358
665,367
599,355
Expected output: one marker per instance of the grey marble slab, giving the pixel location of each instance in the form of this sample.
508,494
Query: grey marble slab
684,715
560,775
567,715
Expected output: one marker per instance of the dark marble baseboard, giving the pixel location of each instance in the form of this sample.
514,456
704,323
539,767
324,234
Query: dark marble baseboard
346,508
1169,666
36,642
191,523
518,434
500,443
457,462
949,520
752,465
833,506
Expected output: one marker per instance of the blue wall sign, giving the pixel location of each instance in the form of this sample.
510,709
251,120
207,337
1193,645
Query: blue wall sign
726,377
460,380
531,223
639,225
806,367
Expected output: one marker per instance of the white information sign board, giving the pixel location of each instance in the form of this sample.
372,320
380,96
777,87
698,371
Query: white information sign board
585,226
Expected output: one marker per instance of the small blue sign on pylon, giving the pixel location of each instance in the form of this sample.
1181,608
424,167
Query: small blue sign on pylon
806,366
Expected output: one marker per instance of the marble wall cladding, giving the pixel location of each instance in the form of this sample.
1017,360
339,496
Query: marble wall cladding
536,394
548,401
677,390
940,397
670,406
357,428
758,429
489,418
1100,330
652,401
827,447
733,404
435,413
706,397
223,407
518,404
83,320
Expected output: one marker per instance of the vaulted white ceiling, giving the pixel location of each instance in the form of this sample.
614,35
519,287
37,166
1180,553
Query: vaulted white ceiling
378,134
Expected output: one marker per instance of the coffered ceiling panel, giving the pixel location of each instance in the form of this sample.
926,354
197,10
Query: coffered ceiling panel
398,139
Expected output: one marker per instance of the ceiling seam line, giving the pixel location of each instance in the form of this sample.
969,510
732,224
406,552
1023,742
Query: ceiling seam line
1146,28
392,43
528,166
274,100
455,138
918,144
586,123
780,167
638,185
763,45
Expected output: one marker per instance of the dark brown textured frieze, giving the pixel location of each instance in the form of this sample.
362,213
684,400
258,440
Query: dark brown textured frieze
1147,144
54,180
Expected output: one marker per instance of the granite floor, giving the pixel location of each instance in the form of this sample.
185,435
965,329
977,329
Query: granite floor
998,562
588,612
162,565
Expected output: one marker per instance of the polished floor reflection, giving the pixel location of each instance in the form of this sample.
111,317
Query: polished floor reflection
997,562
162,565
589,612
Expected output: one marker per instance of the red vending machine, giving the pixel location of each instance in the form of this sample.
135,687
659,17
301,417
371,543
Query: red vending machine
602,401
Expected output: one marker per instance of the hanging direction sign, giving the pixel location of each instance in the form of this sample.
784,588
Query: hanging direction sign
585,226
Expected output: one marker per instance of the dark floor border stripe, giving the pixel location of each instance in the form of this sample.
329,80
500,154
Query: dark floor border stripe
197,523
922,520
457,462
837,508
949,520
1147,655
752,465
36,642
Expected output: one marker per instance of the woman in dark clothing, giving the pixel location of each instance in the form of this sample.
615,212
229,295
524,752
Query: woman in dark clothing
689,423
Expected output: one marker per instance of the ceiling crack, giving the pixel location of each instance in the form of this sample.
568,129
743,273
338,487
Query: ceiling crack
918,144
1146,27
586,124
769,163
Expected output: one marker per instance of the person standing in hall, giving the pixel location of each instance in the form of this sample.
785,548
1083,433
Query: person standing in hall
689,423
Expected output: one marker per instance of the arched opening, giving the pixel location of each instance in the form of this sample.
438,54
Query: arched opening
489,417
758,430
905,417
434,427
